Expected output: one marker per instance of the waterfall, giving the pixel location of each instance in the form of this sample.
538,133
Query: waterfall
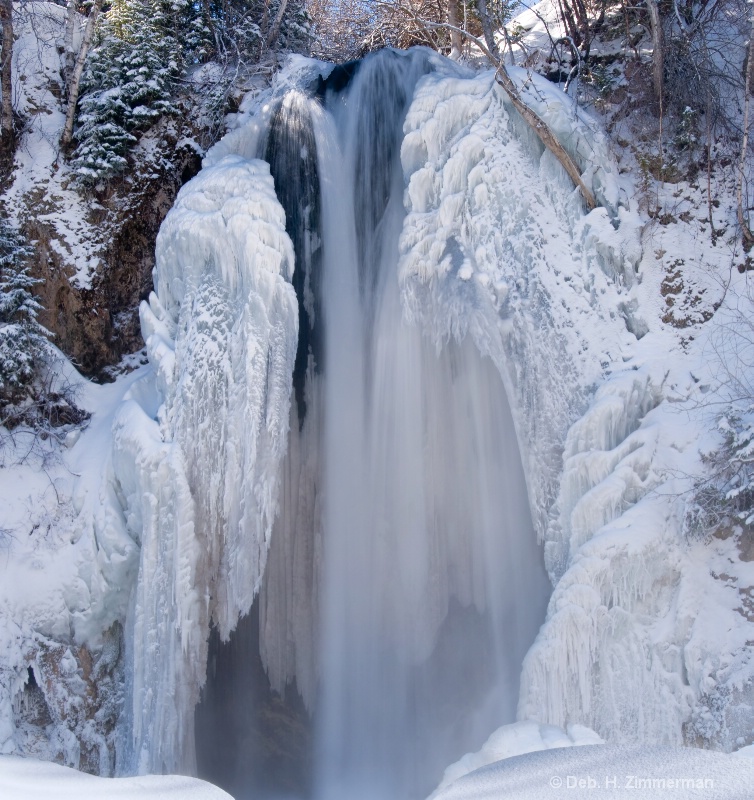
338,575
404,584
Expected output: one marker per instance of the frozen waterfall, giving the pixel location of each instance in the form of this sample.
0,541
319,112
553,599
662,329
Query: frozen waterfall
327,478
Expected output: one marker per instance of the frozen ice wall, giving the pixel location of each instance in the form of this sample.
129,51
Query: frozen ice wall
646,635
496,245
404,582
197,453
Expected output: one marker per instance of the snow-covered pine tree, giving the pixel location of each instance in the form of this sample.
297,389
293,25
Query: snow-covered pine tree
724,498
196,31
295,34
241,32
23,340
127,86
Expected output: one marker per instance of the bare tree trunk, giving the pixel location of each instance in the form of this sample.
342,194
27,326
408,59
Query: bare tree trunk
546,136
655,25
582,17
569,20
6,82
78,70
275,29
456,40
538,125
489,36
70,55
745,229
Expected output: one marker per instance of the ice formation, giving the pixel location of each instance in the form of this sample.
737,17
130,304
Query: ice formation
495,243
612,589
401,509
643,641
532,269
197,462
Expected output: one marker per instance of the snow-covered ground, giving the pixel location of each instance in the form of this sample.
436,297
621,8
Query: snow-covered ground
29,779
529,760
638,772
515,740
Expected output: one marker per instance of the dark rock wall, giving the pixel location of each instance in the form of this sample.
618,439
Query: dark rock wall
97,326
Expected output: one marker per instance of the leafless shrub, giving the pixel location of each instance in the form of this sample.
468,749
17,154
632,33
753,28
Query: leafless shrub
34,429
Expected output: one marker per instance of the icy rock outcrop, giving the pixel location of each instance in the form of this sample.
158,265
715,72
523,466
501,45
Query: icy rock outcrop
58,701
626,648
197,464
607,466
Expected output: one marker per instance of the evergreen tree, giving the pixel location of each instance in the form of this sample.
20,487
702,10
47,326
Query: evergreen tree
23,340
296,33
142,46
127,86
725,496
241,31
196,31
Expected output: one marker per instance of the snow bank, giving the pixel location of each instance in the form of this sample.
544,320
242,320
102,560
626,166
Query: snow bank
196,465
630,773
29,779
514,740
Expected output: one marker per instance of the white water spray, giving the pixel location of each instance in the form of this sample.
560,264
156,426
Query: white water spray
429,589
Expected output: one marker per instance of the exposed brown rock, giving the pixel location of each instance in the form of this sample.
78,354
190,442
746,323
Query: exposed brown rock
96,326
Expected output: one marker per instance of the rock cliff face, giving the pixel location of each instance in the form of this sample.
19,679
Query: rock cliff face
95,321
94,248
68,708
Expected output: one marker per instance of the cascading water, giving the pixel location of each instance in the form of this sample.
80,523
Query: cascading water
404,583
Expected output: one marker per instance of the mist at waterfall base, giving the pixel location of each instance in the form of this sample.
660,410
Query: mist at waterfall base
404,583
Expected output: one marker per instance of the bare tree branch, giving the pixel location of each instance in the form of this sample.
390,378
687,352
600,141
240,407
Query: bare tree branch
538,125
275,29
